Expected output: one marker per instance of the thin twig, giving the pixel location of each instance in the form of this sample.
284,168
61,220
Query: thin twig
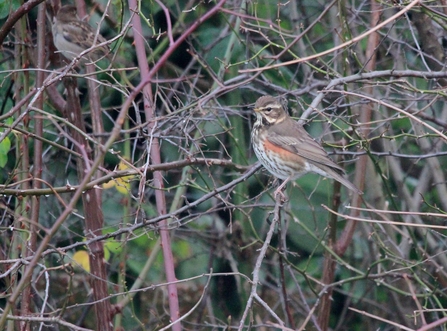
256,270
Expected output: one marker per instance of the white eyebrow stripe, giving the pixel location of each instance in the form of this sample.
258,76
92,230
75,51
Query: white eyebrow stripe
276,106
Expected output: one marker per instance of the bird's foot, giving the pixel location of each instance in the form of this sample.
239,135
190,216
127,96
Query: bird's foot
281,194
280,191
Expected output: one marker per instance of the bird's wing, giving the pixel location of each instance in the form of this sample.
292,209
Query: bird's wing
81,34
303,145
72,31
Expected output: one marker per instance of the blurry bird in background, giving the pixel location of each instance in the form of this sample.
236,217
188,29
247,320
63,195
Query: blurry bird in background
73,36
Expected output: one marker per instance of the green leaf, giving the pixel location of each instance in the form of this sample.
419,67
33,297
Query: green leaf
8,6
3,160
5,146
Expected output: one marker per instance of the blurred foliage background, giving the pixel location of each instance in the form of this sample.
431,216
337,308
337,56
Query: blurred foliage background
375,99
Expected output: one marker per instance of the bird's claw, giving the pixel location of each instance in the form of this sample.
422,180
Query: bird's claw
281,194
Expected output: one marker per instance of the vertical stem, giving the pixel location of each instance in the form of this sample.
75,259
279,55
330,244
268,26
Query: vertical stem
20,238
94,219
364,115
91,200
38,130
149,110
346,237
329,265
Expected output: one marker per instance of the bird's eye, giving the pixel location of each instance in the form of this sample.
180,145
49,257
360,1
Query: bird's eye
268,109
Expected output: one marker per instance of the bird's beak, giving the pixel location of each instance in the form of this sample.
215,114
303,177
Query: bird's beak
256,110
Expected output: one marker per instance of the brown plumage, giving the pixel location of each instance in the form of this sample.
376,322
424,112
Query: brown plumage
72,36
286,150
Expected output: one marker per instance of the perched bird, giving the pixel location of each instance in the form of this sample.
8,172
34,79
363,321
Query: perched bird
72,36
285,148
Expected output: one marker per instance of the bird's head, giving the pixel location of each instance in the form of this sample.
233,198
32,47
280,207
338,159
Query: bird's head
270,110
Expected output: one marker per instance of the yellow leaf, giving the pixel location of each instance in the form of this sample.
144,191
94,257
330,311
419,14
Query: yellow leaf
82,260
122,184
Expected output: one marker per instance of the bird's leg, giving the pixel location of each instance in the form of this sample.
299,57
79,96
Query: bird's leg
279,190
